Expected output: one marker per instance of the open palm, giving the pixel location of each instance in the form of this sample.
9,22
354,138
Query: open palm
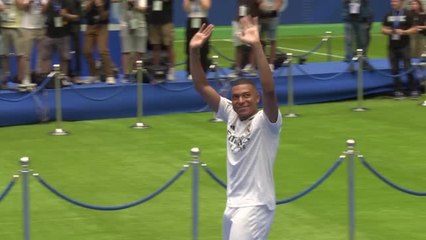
201,36
249,30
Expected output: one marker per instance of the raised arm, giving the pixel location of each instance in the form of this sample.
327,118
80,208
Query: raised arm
198,75
250,35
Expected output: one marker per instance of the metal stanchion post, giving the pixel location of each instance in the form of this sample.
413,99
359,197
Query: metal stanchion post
360,82
25,196
59,131
327,38
214,67
290,91
350,153
195,153
139,96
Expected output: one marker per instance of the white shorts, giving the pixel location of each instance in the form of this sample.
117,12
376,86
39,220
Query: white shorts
247,223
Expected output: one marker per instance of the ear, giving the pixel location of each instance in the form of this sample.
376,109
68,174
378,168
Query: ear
258,96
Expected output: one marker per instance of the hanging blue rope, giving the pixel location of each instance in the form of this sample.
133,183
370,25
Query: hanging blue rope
111,208
309,189
212,175
37,90
115,93
8,188
322,78
391,75
388,182
164,86
318,46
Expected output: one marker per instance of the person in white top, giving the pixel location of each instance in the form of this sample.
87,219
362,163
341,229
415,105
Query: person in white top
33,27
12,39
197,12
252,138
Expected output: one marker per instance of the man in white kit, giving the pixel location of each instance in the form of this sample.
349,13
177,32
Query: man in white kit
252,139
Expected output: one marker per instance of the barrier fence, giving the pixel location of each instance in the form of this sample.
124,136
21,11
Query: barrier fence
350,155
222,79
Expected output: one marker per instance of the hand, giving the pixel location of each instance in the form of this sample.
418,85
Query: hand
63,12
249,30
399,31
201,36
99,3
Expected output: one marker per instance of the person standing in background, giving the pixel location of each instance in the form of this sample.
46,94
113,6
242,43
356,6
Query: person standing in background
269,19
398,26
33,30
3,79
244,59
97,35
12,41
161,33
357,18
417,40
197,11
74,65
59,13
133,34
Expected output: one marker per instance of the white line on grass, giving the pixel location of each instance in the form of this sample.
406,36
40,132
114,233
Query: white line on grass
291,49
304,51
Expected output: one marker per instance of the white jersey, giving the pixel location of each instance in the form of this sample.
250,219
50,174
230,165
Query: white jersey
251,149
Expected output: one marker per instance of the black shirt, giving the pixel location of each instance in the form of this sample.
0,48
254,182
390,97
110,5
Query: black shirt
398,20
165,15
93,15
54,30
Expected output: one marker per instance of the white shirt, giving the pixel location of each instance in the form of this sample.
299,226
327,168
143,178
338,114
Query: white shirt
196,11
251,150
33,18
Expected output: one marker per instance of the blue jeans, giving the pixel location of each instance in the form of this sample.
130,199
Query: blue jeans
358,32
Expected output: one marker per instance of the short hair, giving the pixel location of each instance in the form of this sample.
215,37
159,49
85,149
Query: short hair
243,81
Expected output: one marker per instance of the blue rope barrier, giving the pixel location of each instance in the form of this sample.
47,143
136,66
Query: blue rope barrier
309,189
322,78
8,188
388,182
114,94
213,176
318,46
112,208
164,86
391,75
37,90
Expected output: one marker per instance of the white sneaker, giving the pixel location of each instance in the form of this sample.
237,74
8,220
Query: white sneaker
171,74
271,66
247,68
110,80
66,82
90,80
189,77
26,82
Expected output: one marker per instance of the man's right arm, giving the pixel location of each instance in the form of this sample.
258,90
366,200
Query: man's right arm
209,94
201,84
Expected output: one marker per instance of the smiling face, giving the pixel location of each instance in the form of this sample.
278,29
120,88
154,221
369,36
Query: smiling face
245,99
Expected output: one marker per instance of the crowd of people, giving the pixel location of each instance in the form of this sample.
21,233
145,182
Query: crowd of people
54,27
405,27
